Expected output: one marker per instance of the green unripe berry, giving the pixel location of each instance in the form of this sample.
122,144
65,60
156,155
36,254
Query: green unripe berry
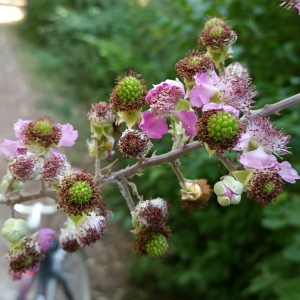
222,125
194,61
213,22
43,127
129,89
80,192
27,261
157,246
268,187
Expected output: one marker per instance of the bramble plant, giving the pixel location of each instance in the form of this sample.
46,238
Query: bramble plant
212,106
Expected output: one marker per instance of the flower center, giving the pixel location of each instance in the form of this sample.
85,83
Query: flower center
222,125
80,192
129,89
43,127
216,31
268,187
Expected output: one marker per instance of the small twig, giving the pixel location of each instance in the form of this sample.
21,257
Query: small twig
12,211
227,163
175,164
97,161
126,194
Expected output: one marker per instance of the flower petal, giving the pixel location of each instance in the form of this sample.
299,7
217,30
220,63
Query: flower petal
243,142
188,120
9,147
287,172
258,159
18,128
44,238
206,86
154,128
69,135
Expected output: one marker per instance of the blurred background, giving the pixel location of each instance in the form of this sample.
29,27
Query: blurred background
71,52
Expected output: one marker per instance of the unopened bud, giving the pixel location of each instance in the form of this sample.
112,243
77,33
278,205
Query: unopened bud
14,230
228,191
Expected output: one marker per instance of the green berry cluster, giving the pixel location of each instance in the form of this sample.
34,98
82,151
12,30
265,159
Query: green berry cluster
43,127
213,22
216,31
222,125
80,192
129,89
268,187
157,246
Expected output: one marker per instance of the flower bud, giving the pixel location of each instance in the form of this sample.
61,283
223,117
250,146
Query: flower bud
14,230
194,194
228,191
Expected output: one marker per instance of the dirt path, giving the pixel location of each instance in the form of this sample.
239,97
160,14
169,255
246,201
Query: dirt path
107,257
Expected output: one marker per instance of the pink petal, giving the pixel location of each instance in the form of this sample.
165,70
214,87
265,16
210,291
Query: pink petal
18,128
168,83
188,120
69,135
210,106
15,275
206,86
243,142
287,172
154,128
258,159
44,238
9,147
298,7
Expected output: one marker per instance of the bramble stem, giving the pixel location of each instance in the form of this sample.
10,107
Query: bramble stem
227,163
126,194
21,199
275,108
149,162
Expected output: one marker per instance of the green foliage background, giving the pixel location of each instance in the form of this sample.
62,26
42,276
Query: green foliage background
240,252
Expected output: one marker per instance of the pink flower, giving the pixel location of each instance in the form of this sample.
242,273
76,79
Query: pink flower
291,4
262,133
162,99
27,255
259,159
231,88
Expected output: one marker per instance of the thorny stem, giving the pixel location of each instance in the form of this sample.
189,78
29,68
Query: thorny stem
275,108
227,163
126,194
175,164
152,161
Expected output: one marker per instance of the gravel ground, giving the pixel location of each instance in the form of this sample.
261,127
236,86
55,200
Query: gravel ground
107,258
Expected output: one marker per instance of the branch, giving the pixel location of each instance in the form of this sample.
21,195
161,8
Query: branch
21,199
149,162
275,108
227,163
